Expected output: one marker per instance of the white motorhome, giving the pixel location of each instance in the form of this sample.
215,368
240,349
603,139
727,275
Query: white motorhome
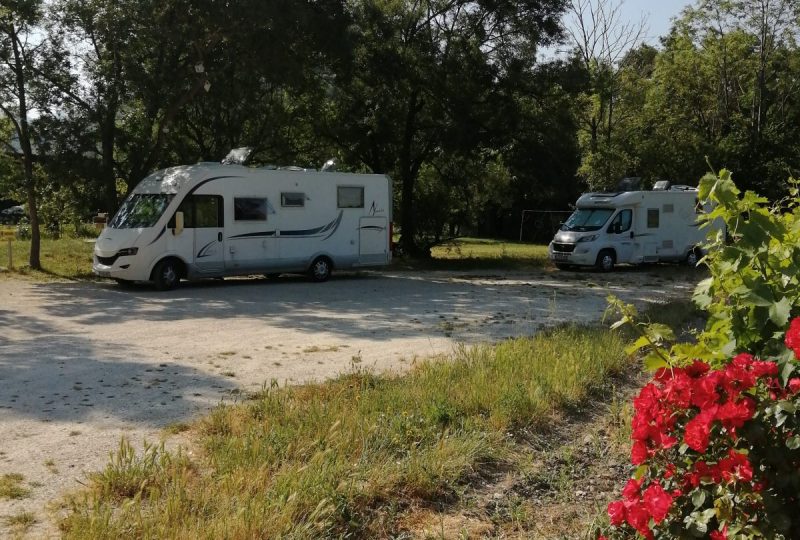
631,227
211,220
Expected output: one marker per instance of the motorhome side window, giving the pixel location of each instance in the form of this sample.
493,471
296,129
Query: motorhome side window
293,199
621,222
652,218
249,209
200,211
350,197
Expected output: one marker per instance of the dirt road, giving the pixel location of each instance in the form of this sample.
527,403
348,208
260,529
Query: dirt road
82,364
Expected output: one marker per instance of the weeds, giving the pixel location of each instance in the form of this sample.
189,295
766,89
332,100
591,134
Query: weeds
324,460
11,487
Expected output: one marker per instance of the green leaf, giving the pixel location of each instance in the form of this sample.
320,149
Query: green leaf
654,362
698,498
793,443
779,312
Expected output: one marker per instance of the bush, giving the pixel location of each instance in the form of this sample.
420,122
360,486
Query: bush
716,433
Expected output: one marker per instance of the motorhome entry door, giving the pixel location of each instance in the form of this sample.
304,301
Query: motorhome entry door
207,218
373,239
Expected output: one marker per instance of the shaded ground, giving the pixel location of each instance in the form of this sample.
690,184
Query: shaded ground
82,363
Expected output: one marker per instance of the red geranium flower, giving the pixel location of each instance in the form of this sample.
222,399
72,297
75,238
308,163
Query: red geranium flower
657,501
792,339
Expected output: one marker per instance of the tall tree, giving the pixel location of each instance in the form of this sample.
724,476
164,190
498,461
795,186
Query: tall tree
17,58
601,38
423,79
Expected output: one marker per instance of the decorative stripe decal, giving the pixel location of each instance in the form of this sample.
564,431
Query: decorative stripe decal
202,253
159,236
329,228
262,234
336,226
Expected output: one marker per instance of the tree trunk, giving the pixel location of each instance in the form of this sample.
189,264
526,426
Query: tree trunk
108,172
408,178
24,134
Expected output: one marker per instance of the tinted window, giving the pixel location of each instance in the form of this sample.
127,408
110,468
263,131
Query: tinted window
350,197
200,211
249,209
623,220
652,218
293,199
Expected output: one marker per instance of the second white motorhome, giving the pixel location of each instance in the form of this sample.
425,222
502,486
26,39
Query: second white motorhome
212,220
631,227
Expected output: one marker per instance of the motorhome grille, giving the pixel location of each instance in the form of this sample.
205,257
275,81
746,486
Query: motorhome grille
564,248
108,261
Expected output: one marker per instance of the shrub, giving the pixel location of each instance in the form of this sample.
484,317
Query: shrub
715,433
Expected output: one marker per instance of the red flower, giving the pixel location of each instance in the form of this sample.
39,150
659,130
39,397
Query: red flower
698,429
734,415
736,467
639,518
792,339
657,501
704,393
794,385
616,512
720,535
697,369
631,490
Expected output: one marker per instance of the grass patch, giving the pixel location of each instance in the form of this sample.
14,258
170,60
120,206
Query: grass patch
22,521
11,487
69,258
343,458
476,253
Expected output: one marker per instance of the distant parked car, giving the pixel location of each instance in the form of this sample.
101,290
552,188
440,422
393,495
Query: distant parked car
11,216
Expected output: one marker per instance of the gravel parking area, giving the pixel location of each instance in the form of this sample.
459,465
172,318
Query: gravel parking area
82,364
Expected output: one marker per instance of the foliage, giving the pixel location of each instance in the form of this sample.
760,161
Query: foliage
330,459
715,432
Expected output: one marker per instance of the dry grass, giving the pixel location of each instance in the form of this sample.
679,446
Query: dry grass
341,458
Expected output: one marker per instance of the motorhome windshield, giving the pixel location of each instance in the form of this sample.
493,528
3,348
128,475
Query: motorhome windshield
587,219
139,211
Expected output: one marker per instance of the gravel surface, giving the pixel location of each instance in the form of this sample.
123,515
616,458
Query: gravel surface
83,364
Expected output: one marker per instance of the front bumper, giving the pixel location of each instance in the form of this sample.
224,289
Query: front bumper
119,269
581,256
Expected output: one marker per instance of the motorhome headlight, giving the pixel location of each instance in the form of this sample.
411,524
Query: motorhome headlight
127,252
590,238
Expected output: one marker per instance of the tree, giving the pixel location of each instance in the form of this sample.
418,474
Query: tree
17,61
601,39
423,82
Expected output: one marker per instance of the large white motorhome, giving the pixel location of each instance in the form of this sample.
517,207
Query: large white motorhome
211,220
631,227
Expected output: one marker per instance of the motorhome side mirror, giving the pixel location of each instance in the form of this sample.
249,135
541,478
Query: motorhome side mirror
178,224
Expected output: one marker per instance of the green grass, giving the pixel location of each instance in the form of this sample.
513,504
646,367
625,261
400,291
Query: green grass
63,258
470,253
345,457
11,487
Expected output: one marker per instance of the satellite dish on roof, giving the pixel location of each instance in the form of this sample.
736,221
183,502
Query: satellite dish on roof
238,156
329,166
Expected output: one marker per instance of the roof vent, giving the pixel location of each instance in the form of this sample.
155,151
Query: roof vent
661,185
632,183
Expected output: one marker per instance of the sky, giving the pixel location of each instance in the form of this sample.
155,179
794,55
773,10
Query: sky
658,13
